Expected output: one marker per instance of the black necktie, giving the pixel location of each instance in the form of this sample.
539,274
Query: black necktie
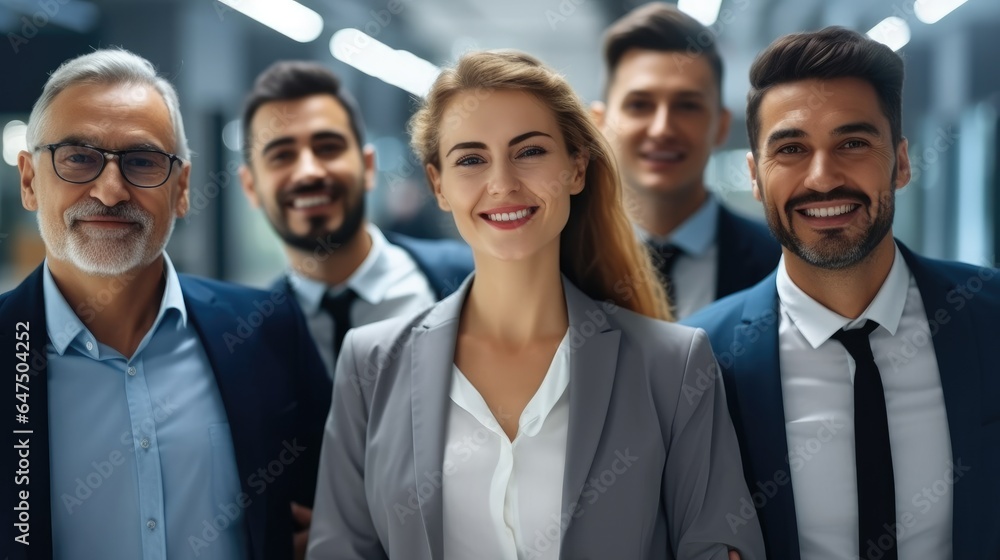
339,308
664,258
873,456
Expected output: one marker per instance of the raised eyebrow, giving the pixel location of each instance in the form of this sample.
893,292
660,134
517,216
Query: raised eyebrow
856,128
785,134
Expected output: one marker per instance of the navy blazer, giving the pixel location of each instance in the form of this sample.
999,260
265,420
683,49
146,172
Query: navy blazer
963,305
271,380
747,253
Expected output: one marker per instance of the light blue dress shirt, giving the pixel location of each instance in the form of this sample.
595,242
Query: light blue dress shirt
142,460
695,272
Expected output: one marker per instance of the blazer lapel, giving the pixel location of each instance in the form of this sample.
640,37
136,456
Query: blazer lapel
757,378
232,371
961,379
593,361
432,360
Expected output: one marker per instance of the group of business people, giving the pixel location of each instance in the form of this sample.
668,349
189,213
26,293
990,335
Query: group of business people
548,406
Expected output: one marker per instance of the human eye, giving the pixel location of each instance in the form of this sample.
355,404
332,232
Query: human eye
790,149
279,157
469,161
689,106
853,144
531,151
328,149
77,155
145,159
637,105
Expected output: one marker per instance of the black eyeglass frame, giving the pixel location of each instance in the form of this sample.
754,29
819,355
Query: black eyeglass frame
106,154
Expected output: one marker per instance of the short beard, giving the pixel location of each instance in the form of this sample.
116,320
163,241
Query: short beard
104,255
320,238
836,251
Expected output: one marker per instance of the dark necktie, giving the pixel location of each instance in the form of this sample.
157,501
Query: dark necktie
873,456
339,309
664,258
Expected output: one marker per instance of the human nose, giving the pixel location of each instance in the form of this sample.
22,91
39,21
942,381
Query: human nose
824,174
661,125
307,168
503,180
110,186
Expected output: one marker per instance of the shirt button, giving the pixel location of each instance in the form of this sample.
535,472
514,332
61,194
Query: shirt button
145,445
131,370
151,524
90,345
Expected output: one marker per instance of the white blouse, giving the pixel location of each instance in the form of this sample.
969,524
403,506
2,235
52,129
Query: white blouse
502,499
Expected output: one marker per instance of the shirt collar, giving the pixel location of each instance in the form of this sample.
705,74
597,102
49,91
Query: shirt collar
370,281
695,235
64,325
818,323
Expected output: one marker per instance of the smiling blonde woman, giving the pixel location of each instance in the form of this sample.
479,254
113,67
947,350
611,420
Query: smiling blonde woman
545,410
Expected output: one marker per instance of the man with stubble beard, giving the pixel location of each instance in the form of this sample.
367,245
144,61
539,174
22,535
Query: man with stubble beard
308,169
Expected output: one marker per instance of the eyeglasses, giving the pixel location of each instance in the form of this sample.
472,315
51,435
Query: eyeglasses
144,168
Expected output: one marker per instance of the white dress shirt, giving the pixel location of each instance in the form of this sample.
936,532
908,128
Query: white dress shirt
502,499
817,377
388,283
695,270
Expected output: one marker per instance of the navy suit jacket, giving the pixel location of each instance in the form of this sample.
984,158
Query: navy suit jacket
963,310
445,262
747,253
272,382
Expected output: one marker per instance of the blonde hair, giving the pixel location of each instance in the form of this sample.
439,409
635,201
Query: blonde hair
599,251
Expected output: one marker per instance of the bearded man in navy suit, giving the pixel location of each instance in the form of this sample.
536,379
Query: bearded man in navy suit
860,376
158,415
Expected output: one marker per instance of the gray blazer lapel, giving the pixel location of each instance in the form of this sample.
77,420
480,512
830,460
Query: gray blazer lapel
433,358
593,361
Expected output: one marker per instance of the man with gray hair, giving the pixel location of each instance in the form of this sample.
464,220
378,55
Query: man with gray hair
156,414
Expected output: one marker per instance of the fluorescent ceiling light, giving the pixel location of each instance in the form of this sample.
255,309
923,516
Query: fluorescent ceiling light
931,11
402,69
287,17
892,32
14,140
232,135
705,11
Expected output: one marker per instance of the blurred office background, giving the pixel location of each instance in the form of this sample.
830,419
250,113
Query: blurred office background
213,50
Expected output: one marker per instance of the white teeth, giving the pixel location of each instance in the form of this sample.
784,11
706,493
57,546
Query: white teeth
310,201
831,211
509,216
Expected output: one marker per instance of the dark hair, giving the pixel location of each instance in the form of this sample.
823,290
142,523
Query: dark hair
289,80
659,26
830,53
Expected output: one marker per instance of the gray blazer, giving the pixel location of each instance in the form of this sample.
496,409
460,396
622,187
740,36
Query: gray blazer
652,471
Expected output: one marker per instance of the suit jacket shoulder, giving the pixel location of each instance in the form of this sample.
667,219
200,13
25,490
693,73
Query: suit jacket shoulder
445,262
747,252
